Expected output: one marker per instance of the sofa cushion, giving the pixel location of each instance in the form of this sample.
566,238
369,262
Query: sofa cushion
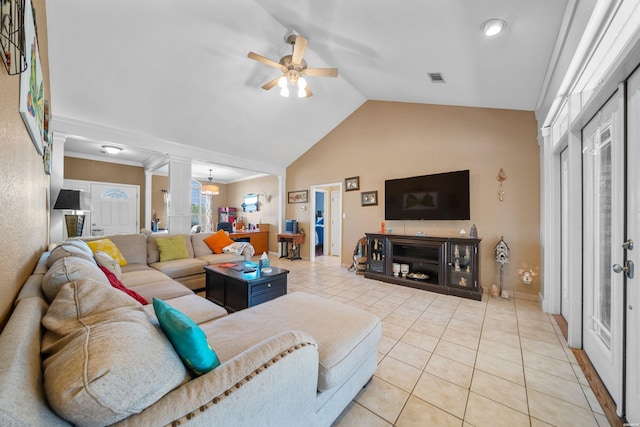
220,258
200,248
198,309
217,241
172,248
69,269
107,245
153,253
80,244
103,259
104,360
346,336
116,283
187,338
65,250
180,267
132,246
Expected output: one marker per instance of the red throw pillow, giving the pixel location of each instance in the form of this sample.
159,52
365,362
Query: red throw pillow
218,241
116,283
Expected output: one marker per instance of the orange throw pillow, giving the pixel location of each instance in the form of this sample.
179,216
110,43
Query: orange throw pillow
218,241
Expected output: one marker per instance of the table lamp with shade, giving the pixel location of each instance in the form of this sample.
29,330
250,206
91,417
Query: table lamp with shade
77,201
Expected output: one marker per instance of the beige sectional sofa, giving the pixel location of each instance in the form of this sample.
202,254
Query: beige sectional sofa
188,271
83,352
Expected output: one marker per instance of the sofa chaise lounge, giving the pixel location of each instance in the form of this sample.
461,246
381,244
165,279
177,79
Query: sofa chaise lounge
296,360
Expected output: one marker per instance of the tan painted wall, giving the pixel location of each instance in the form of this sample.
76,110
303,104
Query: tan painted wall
24,187
385,140
267,211
92,170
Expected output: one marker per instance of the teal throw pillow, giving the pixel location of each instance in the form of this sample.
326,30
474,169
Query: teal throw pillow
187,338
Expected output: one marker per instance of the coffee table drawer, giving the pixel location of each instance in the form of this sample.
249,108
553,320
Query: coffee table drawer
276,285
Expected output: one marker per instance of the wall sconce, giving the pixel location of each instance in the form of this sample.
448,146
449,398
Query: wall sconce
267,197
78,202
12,42
501,178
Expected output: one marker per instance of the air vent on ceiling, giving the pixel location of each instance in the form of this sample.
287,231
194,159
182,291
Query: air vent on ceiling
436,78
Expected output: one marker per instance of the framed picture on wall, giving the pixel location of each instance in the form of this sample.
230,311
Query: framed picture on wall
351,184
32,84
301,196
369,198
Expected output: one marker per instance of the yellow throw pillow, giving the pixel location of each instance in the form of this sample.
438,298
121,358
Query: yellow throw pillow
171,248
217,241
106,245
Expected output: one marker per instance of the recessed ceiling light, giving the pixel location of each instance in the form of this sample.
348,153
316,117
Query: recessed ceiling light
493,27
112,149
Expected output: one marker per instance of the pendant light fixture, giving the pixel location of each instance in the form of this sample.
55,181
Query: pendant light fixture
210,187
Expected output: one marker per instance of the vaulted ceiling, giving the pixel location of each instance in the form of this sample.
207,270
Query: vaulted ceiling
165,78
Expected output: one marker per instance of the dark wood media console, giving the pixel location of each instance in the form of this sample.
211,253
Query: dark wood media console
447,265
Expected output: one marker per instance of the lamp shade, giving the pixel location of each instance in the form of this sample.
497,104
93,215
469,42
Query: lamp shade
73,200
210,189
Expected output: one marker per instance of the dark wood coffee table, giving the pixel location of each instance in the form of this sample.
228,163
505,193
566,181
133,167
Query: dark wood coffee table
235,288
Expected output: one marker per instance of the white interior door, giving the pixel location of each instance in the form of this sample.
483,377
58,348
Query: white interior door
115,209
564,236
632,310
336,223
603,220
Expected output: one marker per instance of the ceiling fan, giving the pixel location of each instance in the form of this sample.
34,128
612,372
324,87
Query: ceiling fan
294,68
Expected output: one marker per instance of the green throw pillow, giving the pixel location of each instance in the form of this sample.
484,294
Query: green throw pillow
187,338
172,248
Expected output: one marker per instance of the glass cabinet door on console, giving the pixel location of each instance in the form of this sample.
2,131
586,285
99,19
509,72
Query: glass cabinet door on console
463,264
376,254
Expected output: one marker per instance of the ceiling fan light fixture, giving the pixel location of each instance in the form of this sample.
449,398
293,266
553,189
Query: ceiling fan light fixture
284,92
492,27
302,93
282,81
111,149
302,83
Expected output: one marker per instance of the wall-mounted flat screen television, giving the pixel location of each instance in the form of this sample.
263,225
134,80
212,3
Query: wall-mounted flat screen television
437,196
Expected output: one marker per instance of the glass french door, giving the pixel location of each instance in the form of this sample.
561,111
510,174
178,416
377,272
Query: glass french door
565,245
632,309
603,221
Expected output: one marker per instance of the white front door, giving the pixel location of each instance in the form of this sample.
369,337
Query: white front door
632,309
603,222
115,209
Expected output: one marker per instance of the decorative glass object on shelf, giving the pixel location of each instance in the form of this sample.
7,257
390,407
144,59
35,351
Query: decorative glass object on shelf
376,255
461,266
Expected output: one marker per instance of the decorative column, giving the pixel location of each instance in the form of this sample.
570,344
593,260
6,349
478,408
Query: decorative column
179,196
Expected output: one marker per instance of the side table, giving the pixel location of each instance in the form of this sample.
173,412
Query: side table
296,239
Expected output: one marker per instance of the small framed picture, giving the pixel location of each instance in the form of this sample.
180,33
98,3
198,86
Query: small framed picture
301,196
369,198
351,184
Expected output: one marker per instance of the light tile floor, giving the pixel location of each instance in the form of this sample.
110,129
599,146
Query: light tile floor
449,361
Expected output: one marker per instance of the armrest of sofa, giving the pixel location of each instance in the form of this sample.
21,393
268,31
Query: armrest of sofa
271,383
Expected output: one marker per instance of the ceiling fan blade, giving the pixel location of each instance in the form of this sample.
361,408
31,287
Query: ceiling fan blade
264,60
308,91
321,72
270,84
298,49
